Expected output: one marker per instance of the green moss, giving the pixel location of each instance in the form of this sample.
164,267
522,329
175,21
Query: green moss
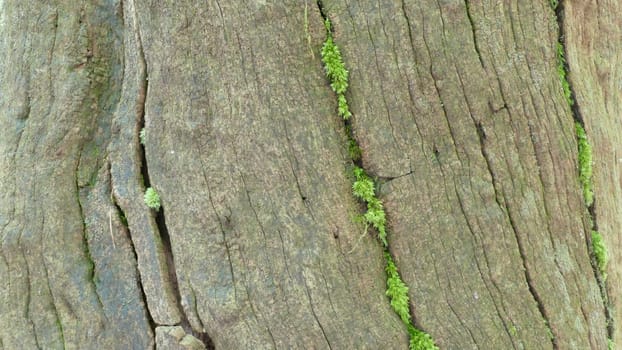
585,164
142,136
600,253
336,71
152,199
397,291
513,331
420,340
561,71
364,189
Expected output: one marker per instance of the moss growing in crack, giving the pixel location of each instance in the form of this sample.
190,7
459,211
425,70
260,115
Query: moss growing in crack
397,291
600,253
364,188
335,71
561,71
152,199
142,136
585,164
599,250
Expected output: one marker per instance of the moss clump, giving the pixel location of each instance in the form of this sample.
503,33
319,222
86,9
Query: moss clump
397,291
600,253
364,188
561,71
142,136
336,71
152,199
420,340
585,164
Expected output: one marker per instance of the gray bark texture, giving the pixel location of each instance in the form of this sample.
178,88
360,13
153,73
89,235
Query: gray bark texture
459,111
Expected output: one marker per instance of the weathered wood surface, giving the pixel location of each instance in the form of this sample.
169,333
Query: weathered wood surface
592,31
458,109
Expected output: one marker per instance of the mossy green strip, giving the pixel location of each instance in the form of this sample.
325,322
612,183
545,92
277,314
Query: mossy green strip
364,188
600,253
599,250
561,71
336,71
585,164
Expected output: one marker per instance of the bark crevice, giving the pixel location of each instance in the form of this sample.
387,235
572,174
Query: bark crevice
504,207
591,206
160,219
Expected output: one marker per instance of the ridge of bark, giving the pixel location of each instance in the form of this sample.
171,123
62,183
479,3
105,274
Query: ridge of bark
123,219
582,137
365,188
160,219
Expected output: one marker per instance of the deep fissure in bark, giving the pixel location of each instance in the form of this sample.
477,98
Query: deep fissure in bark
481,134
139,283
578,117
161,220
397,290
123,219
85,239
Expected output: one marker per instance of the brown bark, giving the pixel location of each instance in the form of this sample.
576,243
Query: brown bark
591,30
458,109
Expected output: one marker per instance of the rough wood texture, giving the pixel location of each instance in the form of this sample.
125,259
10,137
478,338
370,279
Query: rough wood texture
593,31
461,117
460,113
64,282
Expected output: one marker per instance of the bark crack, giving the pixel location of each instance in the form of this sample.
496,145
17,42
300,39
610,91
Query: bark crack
478,239
365,188
162,229
85,239
59,323
294,169
521,249
317,320
28,297
139,282
591,204
473,32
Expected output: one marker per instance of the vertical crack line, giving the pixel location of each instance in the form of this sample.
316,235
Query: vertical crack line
450,306
139,282
54,308
479,268
317,320
28,299
564,71
530,284
87,251
222,228
365,189
160,217
475,44
507,210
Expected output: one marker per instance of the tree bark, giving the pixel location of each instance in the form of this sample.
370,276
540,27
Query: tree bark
460,114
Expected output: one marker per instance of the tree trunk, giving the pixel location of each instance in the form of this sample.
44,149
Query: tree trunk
225,110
